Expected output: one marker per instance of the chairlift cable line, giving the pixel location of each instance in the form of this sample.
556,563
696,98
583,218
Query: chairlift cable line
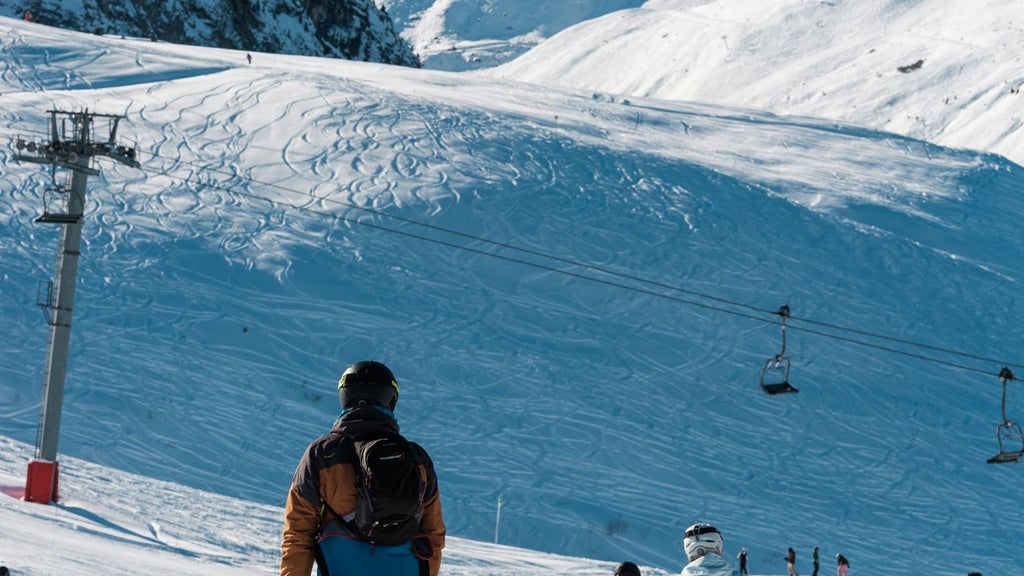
614,273
582,265
585,277
594,268
481,239
895,351
512,259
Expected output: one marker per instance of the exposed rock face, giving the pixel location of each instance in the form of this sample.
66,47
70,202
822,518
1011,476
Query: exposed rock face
349,29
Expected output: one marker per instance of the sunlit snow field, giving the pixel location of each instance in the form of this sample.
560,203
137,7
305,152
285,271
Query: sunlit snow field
575,288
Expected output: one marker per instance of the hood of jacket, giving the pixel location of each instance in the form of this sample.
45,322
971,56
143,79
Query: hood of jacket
709,564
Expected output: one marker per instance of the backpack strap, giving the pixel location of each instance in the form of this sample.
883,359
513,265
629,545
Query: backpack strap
325,508
321,521
318,553
423,548
321,562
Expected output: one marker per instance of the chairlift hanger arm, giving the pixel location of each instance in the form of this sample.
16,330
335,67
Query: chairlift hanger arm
1005,375
783,312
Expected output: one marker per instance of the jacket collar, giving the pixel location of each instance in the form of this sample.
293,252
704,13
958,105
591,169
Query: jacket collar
366,421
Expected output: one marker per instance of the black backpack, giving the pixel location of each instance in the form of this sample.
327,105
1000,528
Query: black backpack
389,504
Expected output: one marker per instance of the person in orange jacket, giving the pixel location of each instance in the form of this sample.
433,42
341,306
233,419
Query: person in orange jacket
323,495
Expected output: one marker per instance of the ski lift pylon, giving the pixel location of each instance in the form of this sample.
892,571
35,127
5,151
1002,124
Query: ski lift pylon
1009,434
775,371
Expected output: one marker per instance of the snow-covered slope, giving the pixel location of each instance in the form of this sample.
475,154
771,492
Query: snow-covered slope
116,524
944,71
575,289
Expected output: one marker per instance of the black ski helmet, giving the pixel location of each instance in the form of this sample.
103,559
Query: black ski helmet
367,382
627,569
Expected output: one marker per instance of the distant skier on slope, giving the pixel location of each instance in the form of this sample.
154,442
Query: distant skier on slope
791,563
843,565
704,549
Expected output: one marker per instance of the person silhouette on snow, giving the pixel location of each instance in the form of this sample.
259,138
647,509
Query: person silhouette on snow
323,495
742,557
704,549
814,559
843,565
791,562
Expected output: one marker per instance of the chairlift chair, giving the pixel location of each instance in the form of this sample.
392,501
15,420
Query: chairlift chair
775,372
1009,434
51,196
56,195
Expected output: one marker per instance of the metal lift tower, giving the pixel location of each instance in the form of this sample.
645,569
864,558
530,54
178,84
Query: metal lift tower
70,153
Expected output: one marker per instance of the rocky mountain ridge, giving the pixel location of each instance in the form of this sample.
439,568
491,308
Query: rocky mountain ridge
348,29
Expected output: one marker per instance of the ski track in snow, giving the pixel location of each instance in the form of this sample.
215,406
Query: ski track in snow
211,324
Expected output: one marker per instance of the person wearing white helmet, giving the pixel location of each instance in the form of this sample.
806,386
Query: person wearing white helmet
704,552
